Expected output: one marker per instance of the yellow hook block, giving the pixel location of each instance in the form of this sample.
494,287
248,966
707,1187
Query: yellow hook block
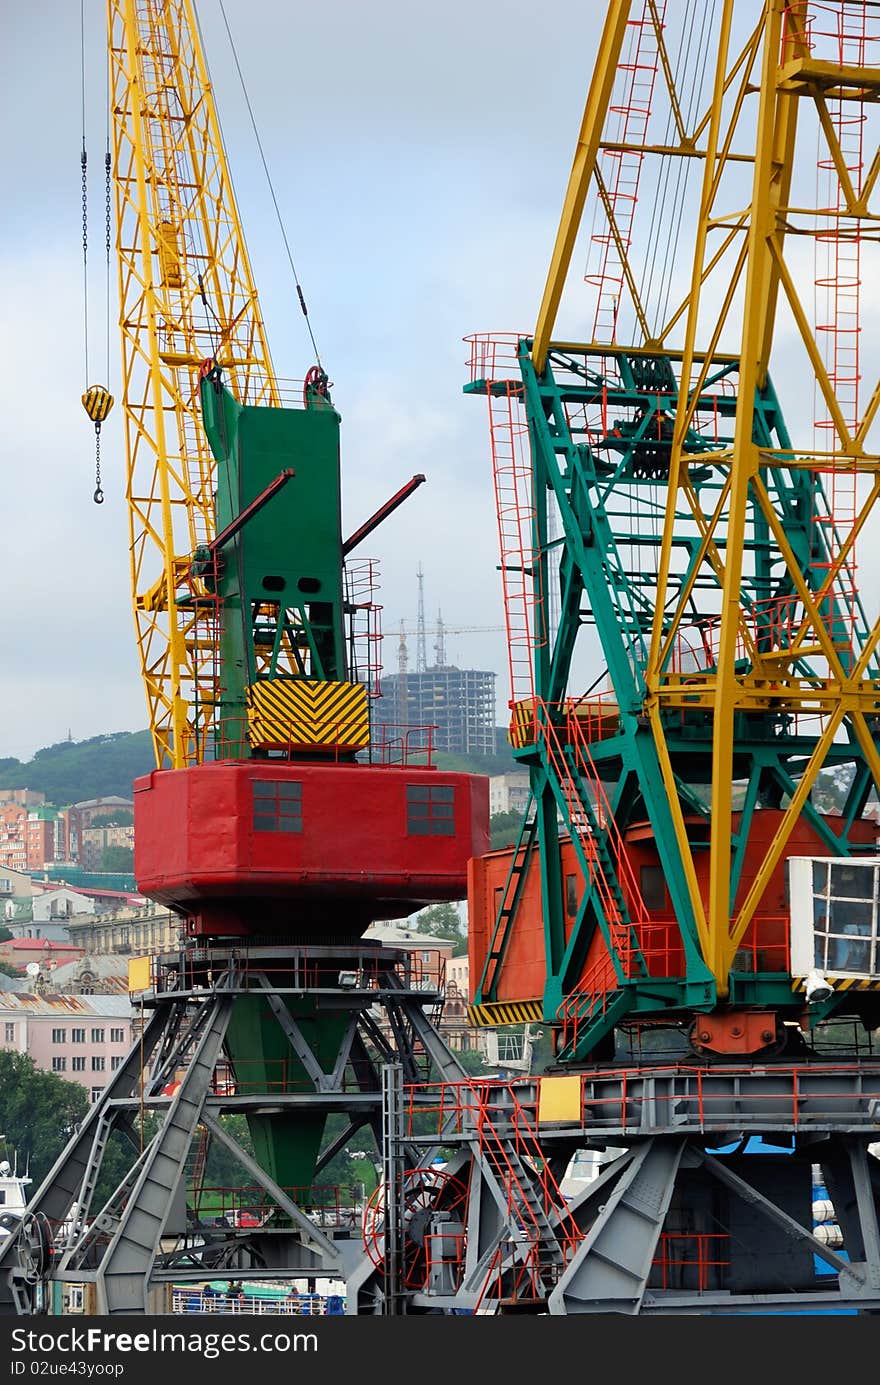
97,402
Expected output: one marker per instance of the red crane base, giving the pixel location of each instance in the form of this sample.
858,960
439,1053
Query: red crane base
270,847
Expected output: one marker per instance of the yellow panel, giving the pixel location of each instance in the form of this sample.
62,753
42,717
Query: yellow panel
495,1013
140,973
559,1099
306,713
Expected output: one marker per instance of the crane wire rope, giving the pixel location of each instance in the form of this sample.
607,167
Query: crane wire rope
299,291
108,220
659,216
672,218
684,170
83,160
97,399
658,202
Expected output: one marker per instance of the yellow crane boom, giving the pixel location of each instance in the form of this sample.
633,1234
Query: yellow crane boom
186,294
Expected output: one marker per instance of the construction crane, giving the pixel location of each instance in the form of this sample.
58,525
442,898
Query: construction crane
696,923
407,630
274,825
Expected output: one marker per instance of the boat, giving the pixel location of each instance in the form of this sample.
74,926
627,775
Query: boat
13,1196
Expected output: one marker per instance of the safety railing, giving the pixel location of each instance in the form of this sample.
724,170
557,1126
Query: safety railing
630,1099
336,738
493,356
354,969
596,715
765,946
776,626
328,1206
695,1260
365,623
703,1096
253,1302
397,745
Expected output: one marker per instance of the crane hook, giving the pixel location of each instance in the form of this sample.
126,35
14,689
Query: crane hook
97,402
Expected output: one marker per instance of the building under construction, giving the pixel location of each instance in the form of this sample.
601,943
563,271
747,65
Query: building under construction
459,703
448,708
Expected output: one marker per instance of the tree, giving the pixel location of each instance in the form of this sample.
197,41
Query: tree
38,1112
441,921
5,934
122,817
7,969
118,858
504,829
473,1062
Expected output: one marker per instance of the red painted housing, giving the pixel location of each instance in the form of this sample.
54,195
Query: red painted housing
262,845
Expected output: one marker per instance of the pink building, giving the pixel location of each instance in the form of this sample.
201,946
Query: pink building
81,1038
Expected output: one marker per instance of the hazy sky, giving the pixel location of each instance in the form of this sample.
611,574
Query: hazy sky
420,155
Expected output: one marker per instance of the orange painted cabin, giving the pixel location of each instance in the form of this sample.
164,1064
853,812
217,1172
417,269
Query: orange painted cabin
523,972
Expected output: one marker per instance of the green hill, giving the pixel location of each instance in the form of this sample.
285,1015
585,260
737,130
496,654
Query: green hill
75,770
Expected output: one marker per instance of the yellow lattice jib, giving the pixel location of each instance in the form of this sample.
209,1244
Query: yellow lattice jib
186,292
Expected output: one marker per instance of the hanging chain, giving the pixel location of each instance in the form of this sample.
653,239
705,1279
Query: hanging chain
107,253
83,159
98,496
107,203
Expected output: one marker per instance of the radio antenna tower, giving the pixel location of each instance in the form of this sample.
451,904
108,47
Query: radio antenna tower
421,646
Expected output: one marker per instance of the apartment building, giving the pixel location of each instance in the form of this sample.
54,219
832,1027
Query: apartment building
508,793
27,798
81,816
13,846
127,929
45,837
93,841
81,1038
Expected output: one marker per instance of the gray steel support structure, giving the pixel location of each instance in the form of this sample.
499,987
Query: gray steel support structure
145,1235
703,1204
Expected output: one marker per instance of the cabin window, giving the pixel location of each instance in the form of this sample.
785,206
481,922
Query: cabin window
571,895
652,884
430,810
277,806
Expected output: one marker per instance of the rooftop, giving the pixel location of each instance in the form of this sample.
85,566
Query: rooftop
27,1003
39,945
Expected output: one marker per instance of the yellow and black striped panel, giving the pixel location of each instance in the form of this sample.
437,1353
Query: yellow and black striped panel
97,402
842,983
522,725
497,1012
306,713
